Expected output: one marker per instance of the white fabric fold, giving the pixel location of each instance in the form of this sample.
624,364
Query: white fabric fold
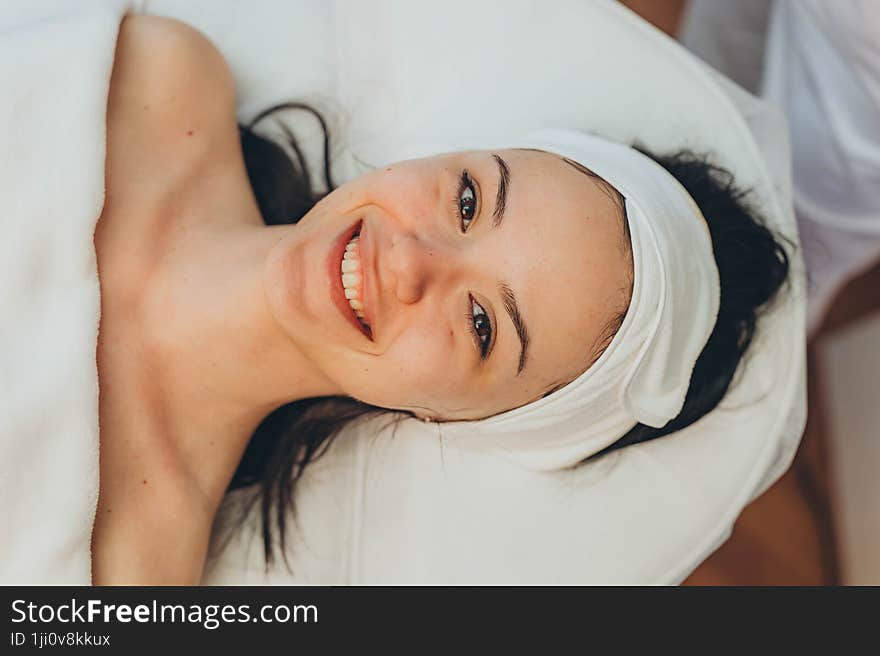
644,374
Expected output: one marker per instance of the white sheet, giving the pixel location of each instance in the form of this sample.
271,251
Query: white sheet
55,65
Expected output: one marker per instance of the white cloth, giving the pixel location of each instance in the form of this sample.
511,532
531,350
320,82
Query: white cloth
644,374
822,67
55,64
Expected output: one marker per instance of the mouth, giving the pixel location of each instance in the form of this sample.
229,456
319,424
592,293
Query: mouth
346,276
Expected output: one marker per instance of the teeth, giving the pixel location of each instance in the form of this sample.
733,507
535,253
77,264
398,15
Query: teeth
351,279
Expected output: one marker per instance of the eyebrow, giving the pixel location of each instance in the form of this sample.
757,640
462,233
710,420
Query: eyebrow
509,299
501,196
506,293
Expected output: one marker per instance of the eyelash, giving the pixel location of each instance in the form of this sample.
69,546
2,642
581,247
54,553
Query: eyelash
465,183
470,320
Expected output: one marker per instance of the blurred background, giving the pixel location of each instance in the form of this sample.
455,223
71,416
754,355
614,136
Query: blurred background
820,523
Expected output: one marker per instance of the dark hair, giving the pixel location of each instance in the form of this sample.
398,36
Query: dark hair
297,433
752,263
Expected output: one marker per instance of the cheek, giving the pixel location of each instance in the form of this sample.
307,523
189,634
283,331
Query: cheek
421,368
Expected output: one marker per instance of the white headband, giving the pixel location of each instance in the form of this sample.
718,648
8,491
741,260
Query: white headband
643,375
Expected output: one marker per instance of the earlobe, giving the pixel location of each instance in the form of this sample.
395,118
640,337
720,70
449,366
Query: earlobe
425,419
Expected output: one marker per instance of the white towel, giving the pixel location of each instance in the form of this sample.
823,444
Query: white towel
55,65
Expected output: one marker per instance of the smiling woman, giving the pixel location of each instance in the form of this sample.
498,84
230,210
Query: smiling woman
453,288
519,220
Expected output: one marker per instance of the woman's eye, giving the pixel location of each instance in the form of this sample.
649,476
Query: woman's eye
467,201
481,327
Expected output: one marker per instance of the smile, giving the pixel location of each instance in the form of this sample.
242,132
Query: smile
347,279
352,279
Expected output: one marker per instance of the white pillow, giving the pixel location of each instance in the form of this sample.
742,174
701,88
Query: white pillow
400,79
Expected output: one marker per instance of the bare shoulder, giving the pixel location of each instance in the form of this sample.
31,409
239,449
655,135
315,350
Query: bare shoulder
169,81
174,60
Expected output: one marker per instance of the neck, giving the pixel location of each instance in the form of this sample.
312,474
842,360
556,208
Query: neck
221,361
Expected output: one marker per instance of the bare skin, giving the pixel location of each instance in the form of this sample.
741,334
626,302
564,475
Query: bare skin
210,319
173,170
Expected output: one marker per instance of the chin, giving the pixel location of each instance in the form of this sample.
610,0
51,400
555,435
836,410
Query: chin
283,282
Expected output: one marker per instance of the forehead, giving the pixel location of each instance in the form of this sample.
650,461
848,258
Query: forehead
563,250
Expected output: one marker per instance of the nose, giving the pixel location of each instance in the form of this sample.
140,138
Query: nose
415,264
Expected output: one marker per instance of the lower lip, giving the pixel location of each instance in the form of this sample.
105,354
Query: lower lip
337,292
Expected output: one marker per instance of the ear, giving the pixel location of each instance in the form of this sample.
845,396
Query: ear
422,413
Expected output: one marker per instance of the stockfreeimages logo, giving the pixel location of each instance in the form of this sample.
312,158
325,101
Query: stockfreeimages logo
210,616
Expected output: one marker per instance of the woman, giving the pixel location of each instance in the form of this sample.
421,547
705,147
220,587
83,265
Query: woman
452,288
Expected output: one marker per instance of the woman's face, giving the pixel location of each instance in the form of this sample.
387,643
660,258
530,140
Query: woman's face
487,279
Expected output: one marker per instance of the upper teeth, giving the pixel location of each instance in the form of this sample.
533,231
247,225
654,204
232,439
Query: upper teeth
351,278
